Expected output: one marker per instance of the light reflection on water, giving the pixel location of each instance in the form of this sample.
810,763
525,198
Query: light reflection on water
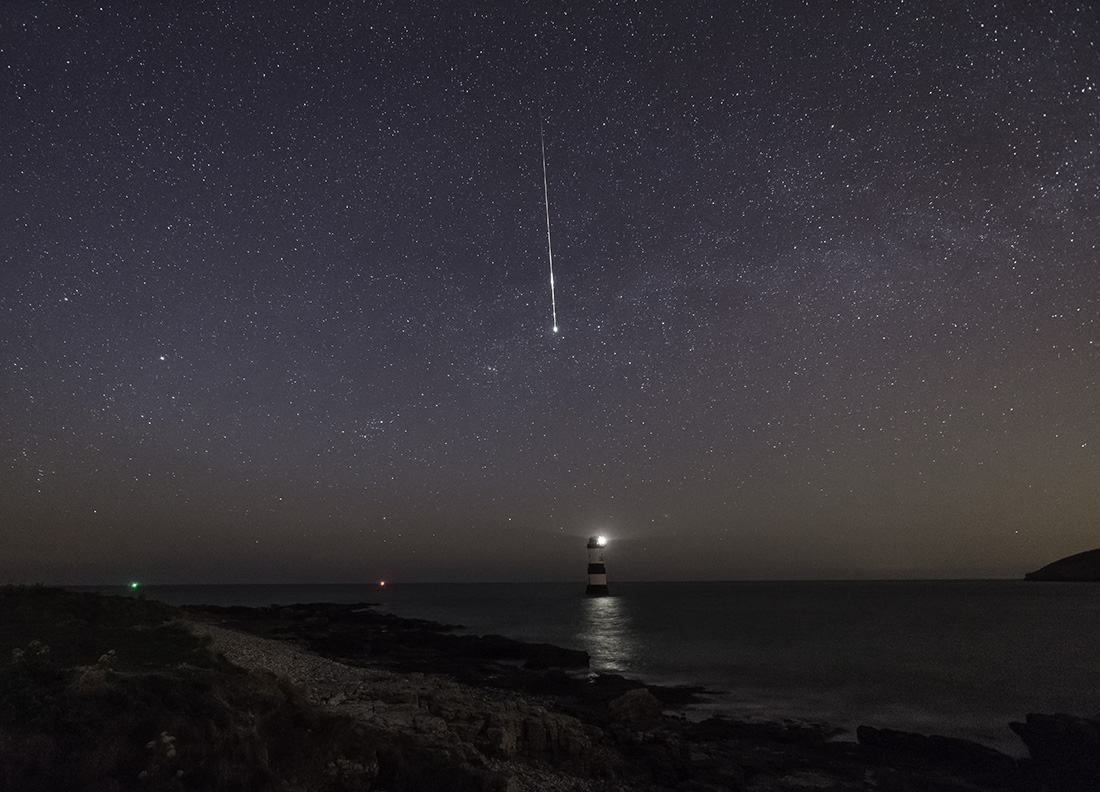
608,634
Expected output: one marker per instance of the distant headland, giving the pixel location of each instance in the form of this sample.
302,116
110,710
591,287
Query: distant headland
1082,567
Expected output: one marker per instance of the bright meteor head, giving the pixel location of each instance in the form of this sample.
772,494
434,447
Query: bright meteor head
555,328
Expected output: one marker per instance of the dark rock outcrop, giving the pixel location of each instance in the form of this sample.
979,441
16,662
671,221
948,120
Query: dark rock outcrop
392,714
937,748
543,656
635,705
1064,749
1082,568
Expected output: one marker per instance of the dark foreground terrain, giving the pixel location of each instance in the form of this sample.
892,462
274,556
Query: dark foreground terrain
113,693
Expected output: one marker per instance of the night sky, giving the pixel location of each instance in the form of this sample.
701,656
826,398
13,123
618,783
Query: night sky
275,304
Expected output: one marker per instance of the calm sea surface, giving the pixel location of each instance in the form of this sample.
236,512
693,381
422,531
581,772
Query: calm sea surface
951,657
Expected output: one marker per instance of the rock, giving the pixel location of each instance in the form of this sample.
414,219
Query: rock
572,740
972,755
472,730
695,785
1082,567
635,705
802,780
711,770
729,776
535,735
502,737
950,750
543,656
507,783
430,725
718,727
405,696
513,731
89,681
1064,747
892,740
593,733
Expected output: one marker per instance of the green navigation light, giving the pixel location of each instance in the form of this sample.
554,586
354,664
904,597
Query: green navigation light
133,584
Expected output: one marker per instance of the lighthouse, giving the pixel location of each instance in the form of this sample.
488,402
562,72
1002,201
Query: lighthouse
597,572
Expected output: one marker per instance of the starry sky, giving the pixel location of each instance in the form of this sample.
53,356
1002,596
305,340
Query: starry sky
275,304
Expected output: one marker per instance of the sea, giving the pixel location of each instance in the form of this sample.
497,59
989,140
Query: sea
959,658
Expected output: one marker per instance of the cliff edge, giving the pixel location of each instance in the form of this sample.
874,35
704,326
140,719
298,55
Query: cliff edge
1082,567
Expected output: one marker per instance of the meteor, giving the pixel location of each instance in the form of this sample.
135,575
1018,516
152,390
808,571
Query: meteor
549,247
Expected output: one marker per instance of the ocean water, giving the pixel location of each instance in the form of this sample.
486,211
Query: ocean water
961,658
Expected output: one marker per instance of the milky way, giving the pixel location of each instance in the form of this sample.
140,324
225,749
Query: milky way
272,296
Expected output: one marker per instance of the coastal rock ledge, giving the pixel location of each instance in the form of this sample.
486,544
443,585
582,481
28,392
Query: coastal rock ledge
1080,568
120,693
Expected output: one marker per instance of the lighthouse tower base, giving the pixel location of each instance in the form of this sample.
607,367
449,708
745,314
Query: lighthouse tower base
597,590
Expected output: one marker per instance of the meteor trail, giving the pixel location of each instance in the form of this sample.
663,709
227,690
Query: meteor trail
549,247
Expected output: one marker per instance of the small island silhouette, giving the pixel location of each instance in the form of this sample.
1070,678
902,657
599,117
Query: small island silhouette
1081,567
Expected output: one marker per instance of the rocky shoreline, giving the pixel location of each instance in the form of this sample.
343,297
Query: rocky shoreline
119,693
517,716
